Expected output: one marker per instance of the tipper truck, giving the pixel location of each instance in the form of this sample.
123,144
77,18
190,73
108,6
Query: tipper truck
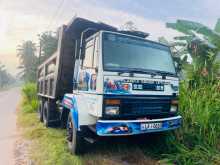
104,81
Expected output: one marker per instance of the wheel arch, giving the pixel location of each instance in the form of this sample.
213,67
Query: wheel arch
70,104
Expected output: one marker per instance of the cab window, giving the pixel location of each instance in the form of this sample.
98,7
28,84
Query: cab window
91,54
89,51
95,59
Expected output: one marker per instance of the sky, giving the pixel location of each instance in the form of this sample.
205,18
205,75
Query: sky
22,20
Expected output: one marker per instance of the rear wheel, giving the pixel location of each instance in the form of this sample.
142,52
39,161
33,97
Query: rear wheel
40,111
46,114
74,138
49,114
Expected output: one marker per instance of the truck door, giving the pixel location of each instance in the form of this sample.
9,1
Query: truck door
88,75
88,71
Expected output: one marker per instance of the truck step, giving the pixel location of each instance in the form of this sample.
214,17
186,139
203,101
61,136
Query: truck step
90,140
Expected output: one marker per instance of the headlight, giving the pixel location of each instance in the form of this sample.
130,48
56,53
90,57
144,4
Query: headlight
173,108
175,87
112,110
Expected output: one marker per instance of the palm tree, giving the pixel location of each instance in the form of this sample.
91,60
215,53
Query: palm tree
48,44
28,59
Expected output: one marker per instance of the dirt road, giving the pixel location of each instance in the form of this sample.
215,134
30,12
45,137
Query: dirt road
8,101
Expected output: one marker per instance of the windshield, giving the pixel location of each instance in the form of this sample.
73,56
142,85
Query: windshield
125,52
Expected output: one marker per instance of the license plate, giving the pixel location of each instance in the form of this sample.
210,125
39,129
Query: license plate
148,87
146,126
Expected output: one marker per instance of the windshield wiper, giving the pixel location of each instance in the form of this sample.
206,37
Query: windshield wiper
136,70
164,73
122,70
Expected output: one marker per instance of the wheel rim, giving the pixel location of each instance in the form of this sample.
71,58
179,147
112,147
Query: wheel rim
40,111
45,116
71,135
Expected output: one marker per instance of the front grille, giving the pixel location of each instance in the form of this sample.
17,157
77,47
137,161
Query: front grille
133,107
144,106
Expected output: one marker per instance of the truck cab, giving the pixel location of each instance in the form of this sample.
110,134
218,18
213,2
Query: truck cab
122,84
125,85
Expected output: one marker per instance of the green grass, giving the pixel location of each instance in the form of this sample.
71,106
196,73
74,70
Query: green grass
196,142
48,145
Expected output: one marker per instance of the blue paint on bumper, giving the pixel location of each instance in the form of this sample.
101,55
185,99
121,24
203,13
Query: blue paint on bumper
132,127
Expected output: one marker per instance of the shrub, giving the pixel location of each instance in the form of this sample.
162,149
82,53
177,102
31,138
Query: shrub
30,101
197,141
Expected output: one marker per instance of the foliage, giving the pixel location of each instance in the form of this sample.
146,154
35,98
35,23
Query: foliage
28,59
129,25
48,44
203,45
201,115
217,26
197,142
30,101
5,77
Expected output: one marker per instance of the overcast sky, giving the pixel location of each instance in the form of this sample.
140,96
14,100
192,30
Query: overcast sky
24,19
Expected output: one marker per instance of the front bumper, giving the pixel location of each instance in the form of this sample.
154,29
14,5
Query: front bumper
132,127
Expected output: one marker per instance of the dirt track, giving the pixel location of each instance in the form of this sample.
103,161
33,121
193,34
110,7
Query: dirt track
8,101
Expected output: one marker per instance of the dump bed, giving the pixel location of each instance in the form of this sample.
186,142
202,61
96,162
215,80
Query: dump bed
55,75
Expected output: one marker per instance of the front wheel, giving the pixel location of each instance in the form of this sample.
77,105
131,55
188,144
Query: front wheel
74,138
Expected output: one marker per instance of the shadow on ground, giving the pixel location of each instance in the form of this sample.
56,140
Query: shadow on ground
138,149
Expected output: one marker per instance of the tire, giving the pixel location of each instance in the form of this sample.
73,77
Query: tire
40,110
75,140
64,118
48,114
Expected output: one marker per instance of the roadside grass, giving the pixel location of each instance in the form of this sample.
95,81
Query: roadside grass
196,142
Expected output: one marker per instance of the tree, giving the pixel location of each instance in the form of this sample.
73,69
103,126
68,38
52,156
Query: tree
28,59
129,25
48,44
203,45
5,77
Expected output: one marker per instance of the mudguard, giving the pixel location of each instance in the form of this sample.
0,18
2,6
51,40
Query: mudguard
70,103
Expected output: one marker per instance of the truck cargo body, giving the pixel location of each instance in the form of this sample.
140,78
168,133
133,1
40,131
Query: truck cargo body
108,81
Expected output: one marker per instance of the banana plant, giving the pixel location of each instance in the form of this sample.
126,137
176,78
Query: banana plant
202,44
